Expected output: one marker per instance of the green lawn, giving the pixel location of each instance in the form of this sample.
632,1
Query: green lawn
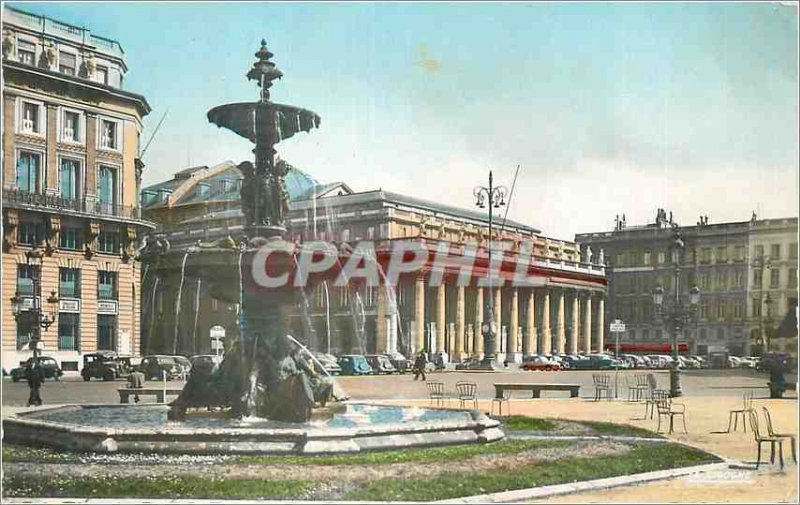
431,454
643,458
525,423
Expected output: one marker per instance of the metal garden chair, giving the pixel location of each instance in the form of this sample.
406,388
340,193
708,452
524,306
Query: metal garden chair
467,391
602,383
747,406
765,440
638,388
436,393
500,401
667,408
772,434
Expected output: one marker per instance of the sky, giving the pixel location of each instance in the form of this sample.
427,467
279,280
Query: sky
607,108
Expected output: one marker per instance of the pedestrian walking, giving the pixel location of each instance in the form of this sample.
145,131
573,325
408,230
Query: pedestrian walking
136,381
419,365
34,373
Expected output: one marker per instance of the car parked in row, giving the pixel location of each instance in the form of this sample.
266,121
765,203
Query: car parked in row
106,365
354,364
400,362
48,364
329,362
156,366
380,364
205,360
541,363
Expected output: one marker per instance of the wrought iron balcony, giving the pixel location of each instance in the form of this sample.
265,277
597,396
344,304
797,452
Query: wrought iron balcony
15,198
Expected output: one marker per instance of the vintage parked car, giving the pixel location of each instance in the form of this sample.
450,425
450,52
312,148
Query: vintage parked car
185,363
210,360
400,362
380,364
593,362
153,366
48,364
541,363
354,364
106,365
328,361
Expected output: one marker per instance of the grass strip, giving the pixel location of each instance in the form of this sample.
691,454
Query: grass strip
161,487
624,430
642,458
18,453
525,423
428,454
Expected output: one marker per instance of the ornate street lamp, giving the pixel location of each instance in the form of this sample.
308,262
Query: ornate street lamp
32,317
676,313
495,196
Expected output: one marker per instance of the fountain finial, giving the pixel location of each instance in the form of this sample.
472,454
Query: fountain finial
264,71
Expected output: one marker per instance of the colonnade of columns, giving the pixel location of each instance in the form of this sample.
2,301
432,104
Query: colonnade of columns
537,320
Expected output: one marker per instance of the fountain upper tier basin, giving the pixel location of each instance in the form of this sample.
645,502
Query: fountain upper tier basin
145,428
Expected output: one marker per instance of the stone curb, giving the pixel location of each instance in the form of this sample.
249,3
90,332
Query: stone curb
502,497
591,485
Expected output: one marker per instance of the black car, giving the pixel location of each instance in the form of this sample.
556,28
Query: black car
400,362
380,363
106,365
155,366
48,364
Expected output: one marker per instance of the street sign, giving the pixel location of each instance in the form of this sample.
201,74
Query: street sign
617,327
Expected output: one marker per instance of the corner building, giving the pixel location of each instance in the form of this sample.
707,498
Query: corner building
71,180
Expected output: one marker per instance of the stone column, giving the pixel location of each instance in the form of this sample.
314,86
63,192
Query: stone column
560,326
530,345
576,311
498,319
478,328
600,323
587,323
441,324
51,179
381,340
512,353
460,327
547,344
419,313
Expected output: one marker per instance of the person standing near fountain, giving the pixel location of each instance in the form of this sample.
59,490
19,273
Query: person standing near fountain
136,381
419,365
34,373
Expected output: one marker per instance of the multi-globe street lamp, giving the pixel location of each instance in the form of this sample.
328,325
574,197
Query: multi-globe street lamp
494,197
31,317
676,313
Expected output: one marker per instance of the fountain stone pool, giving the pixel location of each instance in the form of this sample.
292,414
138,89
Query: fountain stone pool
355,427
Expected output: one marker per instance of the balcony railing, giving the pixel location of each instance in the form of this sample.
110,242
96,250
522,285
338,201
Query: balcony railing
15,196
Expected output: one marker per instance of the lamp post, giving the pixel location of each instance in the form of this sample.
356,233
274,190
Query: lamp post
32,317
766,333
495,197
676,313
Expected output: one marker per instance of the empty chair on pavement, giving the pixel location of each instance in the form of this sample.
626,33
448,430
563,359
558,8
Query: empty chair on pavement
467,391
773,441
771,432
747,406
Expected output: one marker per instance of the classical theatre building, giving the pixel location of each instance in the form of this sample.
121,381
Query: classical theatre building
562,311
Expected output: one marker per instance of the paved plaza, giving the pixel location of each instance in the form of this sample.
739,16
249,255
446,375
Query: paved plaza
709,396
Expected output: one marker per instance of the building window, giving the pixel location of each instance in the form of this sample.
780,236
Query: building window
26,52
793,251
647,257
758,251
721,283
70,238
739,253
774,277
25,276
66,63
756,307
108,134
71,126
757,282
29,233
107,189
29,170
68,331
106,285
108,241
722,254
738,279
775,251
721,309
69,283
106,329
662,257
68,178
704,310
214,304
101,74
705,255
739,309
792,281
31,118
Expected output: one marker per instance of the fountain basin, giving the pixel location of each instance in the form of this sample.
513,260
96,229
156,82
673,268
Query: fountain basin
145,429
